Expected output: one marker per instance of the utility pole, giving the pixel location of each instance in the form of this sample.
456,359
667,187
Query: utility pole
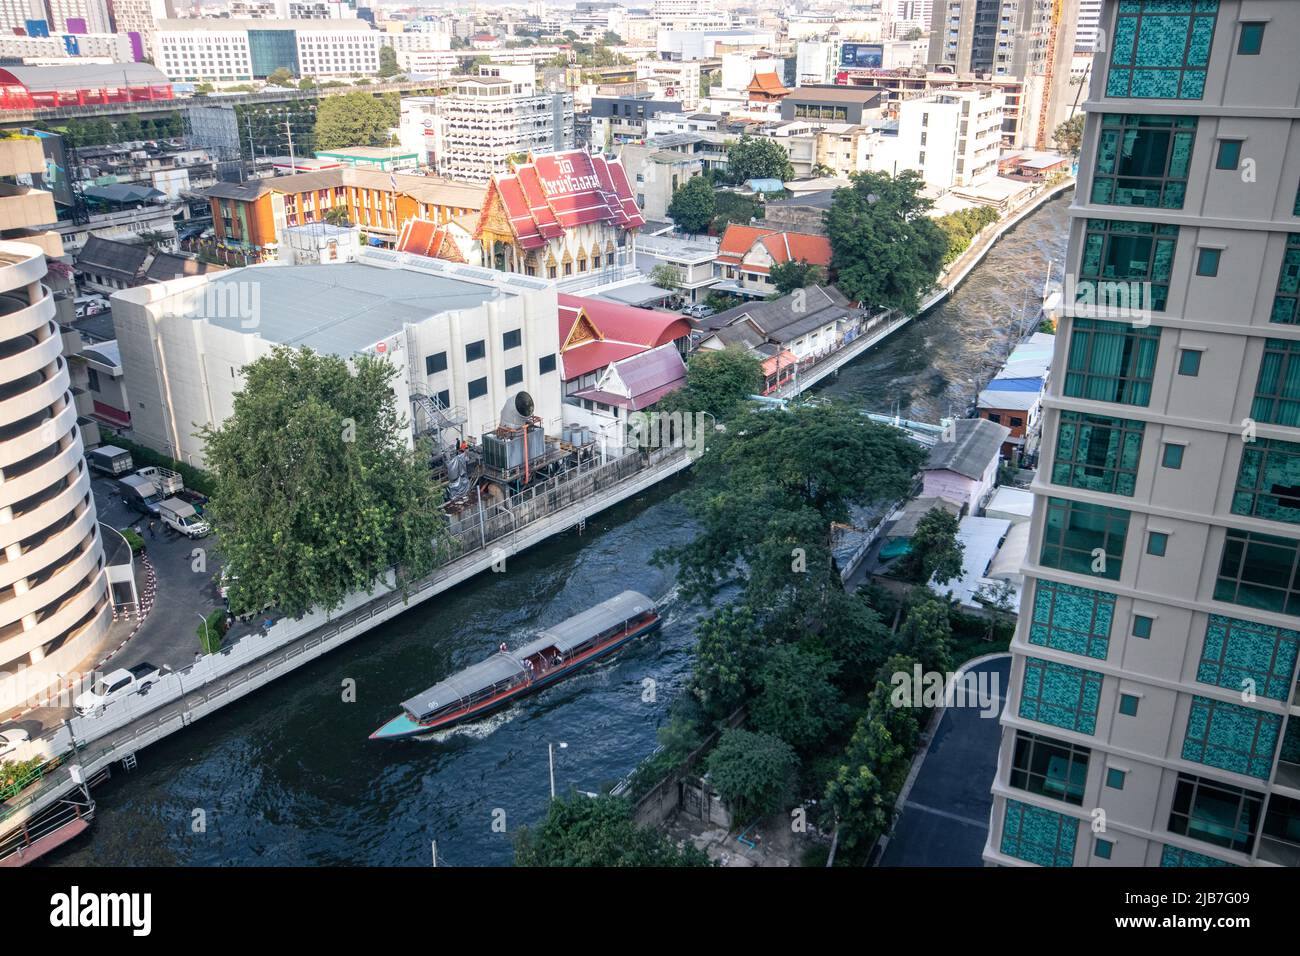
288,132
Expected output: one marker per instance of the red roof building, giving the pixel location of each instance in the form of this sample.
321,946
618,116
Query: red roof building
767,88
451,240
594,334
562,216
746,255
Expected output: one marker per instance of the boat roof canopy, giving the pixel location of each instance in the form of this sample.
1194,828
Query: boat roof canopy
507,665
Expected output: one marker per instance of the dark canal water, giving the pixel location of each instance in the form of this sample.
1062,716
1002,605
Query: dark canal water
287,777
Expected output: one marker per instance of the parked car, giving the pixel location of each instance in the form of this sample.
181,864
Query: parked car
115,686
181,517
699,311
10,738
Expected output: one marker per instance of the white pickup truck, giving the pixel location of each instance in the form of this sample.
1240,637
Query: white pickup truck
181,517
116,685
165,480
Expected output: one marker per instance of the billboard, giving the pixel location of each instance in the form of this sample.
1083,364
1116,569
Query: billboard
55,178
869,56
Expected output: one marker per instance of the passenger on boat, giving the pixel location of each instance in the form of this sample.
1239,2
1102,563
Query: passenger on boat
503,647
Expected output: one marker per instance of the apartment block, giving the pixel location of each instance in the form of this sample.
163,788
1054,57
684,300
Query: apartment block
951,138
1152,718
242,50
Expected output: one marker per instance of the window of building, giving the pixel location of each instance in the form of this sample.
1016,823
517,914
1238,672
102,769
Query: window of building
1277,391
1123,260
1128,705
1251,39
1143,160
1072,619
1039,836
437,362
995,418
1159,51
1236,651
1259,570
511,340
1142,626
1084,538
1115,778
478,388
1097,453
1285,302
1157,543
1217,813
546,364
1207,261
475,351
1111,361
1049,768
1101,848
1268,481
1231,737
1172,456
92,379
514,375
1189,361
444,398
1060,695
1016,422
1229,154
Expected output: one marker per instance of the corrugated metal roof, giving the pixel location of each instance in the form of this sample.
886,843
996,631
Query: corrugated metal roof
86,76
976,443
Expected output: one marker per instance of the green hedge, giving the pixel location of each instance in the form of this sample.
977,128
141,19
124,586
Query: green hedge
195,478
211,632
134,540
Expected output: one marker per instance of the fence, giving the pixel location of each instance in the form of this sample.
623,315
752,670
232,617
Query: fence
251,662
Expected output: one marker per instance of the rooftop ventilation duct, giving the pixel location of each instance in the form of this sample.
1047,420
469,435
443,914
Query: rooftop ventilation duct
517,410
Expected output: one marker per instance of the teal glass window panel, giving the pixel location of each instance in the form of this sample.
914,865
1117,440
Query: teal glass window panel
1238,654
1111,361
1251,40
1161,49
1268,481
1290,751
1049,767
1177,856
1115,778
1229,154
1102,848
1189,362
1142,626
1084,538
1232,737
1037,835
1259,571
1217,813
1128,705
1173,456
1097,452
1127,261
1157,543
1286,303
1060,695
1072,619
1207,262
1277,390
1142,160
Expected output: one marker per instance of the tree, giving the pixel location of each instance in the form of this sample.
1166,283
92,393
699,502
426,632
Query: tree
316,493
666,276
797,699
728,654
853,635
388,62
926,635
693,205
788,276
718,381
307,83
353,119
754,773
935,551
755,157
885,250
960,227
586,831
338,216
1069,135
610,38
733,207
280,77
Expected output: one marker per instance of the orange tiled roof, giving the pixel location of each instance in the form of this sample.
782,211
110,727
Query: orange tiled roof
767,83
738,240
798,247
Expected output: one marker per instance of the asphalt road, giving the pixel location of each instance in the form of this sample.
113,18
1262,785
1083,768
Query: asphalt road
945,820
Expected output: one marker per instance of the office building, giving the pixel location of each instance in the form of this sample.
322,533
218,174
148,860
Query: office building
242,50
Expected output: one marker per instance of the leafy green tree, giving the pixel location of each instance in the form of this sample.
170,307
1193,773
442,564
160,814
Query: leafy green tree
853,635
926,635
281,77
863,791
728,654
733,207
693,205
585,832
935,551
718,381
353,119
758,157
388,62
960,227
1068,136
886,251
797,699
666,276
788,276
754,773
338,216
316,493
307,83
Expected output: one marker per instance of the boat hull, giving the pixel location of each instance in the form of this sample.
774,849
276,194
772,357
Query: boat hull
404,726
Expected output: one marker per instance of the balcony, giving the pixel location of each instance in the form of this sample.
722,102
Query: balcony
22,206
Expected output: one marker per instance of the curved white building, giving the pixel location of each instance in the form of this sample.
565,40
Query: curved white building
54,602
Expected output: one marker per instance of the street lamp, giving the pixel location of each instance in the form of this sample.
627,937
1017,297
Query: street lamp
550,750
207,637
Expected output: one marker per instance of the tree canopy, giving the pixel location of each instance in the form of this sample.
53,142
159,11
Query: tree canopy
732,207
316,493
935,551
754,773
718,381
693,205
353,119
388,65
758,157
788,276
884,248
585,831
1068,136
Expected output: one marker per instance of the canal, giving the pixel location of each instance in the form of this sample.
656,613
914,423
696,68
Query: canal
287,775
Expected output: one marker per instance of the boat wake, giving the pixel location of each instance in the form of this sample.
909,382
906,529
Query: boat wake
475,730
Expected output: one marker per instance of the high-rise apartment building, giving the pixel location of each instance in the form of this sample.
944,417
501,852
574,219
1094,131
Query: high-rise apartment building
1152,718
92,15
1085,36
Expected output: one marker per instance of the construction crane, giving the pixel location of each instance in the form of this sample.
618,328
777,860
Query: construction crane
1045,100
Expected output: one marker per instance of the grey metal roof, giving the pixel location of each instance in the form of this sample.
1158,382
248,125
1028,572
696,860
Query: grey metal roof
571,632
976,442
123,192
501,666
778,318
108,256
337,309
88,76
168,265
245,191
